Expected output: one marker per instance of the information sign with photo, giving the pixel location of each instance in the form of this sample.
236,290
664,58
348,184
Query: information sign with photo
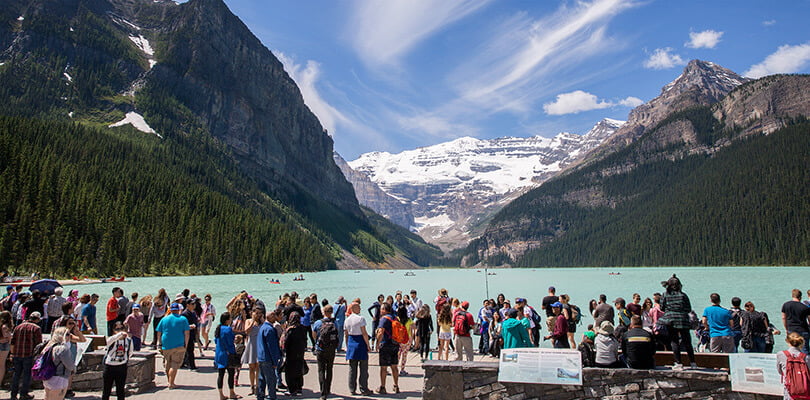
754,373
535,365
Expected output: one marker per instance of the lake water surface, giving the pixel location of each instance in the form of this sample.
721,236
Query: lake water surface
766,287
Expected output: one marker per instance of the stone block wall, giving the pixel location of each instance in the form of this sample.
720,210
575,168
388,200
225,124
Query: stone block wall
446,380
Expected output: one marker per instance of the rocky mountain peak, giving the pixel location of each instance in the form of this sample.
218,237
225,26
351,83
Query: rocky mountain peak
705,76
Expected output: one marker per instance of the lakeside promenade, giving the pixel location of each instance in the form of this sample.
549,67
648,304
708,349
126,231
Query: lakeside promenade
202,383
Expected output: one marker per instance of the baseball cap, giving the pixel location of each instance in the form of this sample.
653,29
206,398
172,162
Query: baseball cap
465,304
9,287
557,304
176,307
590,335
136,306
520,300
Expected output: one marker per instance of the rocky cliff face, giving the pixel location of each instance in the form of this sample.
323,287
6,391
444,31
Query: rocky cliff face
451,187
765,105
371,196
701,83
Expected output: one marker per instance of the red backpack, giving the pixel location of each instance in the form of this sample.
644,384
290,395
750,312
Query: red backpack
460,324
440,303
398,331
797,376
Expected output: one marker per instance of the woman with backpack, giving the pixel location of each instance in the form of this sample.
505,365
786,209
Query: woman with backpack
224,353
64,363
445,322
792,366
572,314
755,327
676,307
404,347
119,350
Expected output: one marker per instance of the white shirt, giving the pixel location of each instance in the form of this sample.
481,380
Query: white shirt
416,302
353,324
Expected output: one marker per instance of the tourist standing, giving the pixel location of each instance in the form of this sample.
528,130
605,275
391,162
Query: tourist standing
676,307
157,312
295,345
119,350
88,314
224,351
559,334
484,319
112,309
638,346
754,325
514,331
495,335
124,306
736,322
794,318
326,343
423,330
25,337
718,321
572,316
190,314
54,308
36,304
251,354
462,324
388,349
134,325
445,322
269,357
174,335
357,346
623,318
546,305
790,356
6,331
340,319
374,310
602,312
65,362
209,314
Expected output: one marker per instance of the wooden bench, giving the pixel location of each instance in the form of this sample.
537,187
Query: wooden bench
703,360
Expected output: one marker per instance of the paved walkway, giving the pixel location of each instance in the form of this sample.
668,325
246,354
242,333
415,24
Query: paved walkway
201,384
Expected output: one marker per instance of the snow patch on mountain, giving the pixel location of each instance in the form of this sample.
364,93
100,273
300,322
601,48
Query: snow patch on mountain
138,122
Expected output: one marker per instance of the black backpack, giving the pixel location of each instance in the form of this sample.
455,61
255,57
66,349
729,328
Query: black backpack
327,335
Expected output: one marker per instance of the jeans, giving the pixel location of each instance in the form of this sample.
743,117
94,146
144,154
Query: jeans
362,365
340,336
117,374
326,362
464,346
737,338
757,345
681,337
483,344
267,380
22,367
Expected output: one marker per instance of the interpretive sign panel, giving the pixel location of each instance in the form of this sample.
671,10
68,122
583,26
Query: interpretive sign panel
535,365
754,373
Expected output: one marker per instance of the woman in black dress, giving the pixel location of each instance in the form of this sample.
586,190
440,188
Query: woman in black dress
295,345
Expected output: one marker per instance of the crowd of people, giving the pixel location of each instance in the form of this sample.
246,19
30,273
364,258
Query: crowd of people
271,340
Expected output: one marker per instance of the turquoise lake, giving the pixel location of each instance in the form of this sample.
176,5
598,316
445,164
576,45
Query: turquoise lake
766,287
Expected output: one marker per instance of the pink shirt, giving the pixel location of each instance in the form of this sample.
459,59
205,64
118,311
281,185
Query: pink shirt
134,325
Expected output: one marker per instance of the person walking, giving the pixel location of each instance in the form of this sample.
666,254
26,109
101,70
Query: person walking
387,348
25,337
326,343
174,336
224,351
794,318
718,321
357,346
119,350
269,356
676,307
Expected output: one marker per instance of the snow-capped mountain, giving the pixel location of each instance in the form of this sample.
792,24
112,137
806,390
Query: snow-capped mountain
450,186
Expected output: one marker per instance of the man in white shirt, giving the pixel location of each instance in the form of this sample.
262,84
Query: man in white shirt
357,347
415,301
54,309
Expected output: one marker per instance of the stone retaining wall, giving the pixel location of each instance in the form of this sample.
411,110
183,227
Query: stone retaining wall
446,380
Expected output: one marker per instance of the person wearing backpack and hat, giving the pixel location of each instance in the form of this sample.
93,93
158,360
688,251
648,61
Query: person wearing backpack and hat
560,331
326,343
534,319
792,365
25,337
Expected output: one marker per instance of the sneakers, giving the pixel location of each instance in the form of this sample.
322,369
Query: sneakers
694,365
677,367
366,392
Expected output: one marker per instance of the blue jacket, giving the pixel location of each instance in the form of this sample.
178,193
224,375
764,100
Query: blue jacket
340,316
225,346
269,349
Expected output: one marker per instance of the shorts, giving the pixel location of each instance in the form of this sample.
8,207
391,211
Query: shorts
445,335
56,383
173,358
550,322
572,327
5,346
389,355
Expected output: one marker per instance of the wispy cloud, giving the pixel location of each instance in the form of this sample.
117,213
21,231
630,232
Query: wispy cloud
769,22
579,101
787,59
435,126
306,77
383,31
529,49
663,58
707,39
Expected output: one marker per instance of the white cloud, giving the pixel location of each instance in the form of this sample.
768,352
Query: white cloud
707,39
769,22
431,125
306,78
787,59
663,58
383,31
579,101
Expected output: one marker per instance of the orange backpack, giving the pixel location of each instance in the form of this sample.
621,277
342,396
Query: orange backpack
398,331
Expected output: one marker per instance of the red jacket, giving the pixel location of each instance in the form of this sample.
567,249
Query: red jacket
560,328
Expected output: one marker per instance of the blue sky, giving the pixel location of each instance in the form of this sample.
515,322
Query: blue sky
399,74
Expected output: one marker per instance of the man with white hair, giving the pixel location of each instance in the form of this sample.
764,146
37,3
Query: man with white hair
54,308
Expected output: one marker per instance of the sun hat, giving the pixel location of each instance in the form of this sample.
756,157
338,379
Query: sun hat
606,328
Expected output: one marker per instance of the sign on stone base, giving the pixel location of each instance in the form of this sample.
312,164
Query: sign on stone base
536,365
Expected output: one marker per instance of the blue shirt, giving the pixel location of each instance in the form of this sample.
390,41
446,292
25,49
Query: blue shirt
172,328
718,319
340,316
224,346
269,350
387,326
305,319
89,311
